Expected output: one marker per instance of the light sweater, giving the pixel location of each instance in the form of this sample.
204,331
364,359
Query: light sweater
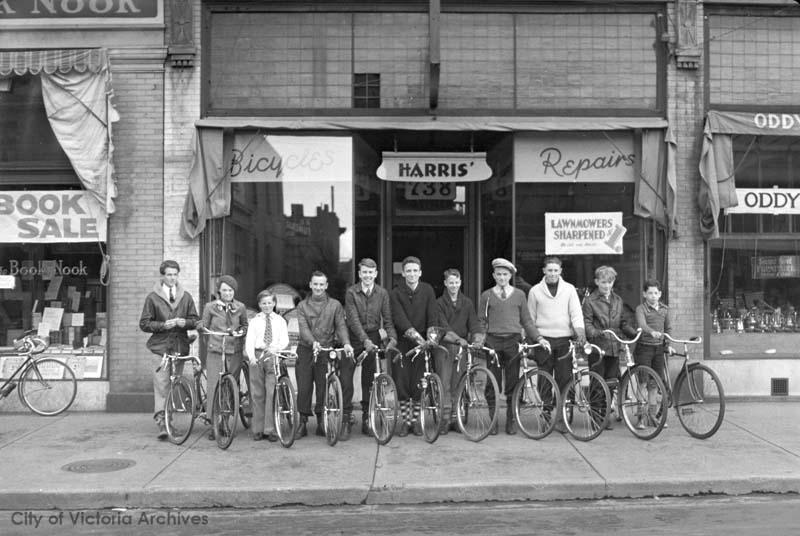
555,316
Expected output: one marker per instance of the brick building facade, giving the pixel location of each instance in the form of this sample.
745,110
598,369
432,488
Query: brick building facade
503,79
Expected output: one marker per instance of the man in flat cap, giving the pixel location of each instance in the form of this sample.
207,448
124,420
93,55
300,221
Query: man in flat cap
503,315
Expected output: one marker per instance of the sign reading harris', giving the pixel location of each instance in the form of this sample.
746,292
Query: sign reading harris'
574,156
583,233
766,201
268,158
434,167
82,9
50,216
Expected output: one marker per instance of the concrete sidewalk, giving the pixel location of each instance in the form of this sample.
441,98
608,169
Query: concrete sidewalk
756,450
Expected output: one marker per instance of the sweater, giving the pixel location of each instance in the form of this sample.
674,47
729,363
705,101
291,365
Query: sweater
559,315
497,316
651,319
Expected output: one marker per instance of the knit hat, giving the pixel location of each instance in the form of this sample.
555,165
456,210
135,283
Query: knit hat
228,280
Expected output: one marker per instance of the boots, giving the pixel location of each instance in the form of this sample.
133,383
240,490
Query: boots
301,429
347,425
320,431
511,424
161,425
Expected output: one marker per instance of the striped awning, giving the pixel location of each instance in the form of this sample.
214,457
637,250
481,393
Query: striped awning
50,61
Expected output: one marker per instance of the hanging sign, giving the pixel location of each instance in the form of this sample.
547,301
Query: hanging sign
434,167
766,201
267,158
574,157
50,216
583,233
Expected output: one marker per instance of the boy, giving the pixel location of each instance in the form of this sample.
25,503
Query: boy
654,320
603,309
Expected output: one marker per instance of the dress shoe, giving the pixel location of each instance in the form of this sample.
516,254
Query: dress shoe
212,436
162,427
346,429
258,436
272,437
511,427
402,430
320,431
365,428
609,424
301,431
417,428
444,426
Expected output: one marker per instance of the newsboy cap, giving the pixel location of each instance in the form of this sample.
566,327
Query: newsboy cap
228,280
503,263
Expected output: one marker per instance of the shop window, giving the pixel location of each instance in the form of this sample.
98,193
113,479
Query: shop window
754,267
366,90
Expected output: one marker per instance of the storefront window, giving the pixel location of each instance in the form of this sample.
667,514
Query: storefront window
754,267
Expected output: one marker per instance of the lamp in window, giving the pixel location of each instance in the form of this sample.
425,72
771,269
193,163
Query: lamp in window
6,83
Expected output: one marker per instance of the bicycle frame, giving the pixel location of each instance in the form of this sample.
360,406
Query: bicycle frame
687,363
469,365
425,349
27,346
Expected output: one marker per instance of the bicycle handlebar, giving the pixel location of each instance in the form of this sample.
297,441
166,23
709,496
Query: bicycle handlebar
333,353
590,346
377,350
30,344
234,334
631,341
693,340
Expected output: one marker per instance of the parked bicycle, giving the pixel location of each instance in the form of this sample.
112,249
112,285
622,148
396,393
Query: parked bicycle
383,403
536,399
641,394
332,405
186,399
46,385
586,399
697,393
225,399
430,399
476,395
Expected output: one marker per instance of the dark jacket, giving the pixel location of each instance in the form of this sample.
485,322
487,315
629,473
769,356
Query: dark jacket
157,310
414,308
324,327
600,313
218,317
367,313
458,319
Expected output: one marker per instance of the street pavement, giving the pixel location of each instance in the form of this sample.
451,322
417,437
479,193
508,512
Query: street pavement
757,450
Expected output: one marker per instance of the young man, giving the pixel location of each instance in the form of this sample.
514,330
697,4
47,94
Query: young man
414,312
503,315
653,317
168,313
460,321
369,320
556,312
603,309
321,321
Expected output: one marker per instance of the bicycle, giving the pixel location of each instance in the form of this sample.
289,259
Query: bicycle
697,393
477,395
186,400
640,389
225,399
430,398
535,397
383,403
332,404
285,414
586,398
47,385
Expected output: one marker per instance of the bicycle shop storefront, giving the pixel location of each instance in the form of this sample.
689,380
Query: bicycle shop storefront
271,205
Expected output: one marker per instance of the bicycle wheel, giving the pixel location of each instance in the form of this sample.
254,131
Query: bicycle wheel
476,403
225,410
536,403
700,401
332,409
430,407
383,408
284,411
47,386
642,402
588,405
245,400
179,410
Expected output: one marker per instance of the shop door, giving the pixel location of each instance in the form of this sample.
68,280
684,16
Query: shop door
439,248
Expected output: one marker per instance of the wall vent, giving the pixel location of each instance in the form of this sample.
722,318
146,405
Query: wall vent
779,387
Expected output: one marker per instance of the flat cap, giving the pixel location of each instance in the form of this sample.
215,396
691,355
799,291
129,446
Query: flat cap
504,263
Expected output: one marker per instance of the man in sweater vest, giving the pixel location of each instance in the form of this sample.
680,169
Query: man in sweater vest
557,314
502,316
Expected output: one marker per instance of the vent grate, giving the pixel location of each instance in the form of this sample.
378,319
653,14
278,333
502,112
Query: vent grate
779,387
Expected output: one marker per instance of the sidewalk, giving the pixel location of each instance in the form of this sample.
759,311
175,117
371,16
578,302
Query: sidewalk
756,450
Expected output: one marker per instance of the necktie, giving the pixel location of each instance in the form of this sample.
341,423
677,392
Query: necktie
267,332
171,295
503,294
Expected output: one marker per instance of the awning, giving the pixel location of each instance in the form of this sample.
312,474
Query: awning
76,89
717,169
209,183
